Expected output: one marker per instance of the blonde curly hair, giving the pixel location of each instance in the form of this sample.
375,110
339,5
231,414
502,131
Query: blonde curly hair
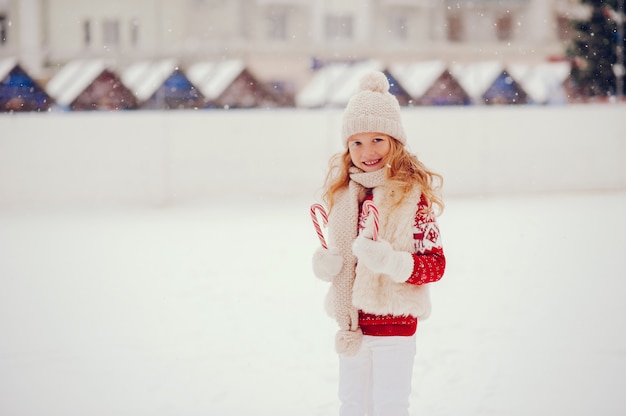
404,170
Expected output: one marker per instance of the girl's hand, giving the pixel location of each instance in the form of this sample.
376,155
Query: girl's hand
380,257
327,263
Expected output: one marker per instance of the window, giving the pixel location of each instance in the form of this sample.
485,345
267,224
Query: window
87,33
504,27
134,32
4,28
277,24
455,28
111,32
398,26
339,27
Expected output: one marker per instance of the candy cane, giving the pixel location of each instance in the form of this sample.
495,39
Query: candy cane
370,208
322,211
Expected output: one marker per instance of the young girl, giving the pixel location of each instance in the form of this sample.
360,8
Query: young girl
379,287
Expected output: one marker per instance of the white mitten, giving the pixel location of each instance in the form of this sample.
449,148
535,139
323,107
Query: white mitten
327,263
380,257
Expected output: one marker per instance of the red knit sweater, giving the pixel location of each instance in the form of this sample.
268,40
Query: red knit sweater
429,264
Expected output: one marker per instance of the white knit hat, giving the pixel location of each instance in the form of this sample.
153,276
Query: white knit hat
373,109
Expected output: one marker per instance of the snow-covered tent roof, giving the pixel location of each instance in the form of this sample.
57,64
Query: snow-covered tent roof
212,78
476,78
18,90
543,82
144,78
147,79
316,92
74,78
418,77
430,83
349,84
230,84
335,83
6,66
489,82
90,85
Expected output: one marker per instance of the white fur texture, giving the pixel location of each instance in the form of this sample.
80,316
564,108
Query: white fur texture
377,293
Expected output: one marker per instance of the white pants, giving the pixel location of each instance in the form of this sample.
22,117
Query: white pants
377,381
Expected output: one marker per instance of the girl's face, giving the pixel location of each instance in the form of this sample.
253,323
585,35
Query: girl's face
368,150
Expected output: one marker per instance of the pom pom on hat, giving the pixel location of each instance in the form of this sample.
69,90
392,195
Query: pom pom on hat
373,109
374,81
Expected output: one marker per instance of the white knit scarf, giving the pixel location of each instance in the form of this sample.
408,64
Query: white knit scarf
371,292
343,229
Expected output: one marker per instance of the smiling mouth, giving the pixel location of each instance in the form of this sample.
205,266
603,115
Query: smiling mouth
372,162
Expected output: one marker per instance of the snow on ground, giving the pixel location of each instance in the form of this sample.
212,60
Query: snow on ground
211,309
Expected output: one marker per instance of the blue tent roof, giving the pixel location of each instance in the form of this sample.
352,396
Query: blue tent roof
505,90
19,92
177,92
162,84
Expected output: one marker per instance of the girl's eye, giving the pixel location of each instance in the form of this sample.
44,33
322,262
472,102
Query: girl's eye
355,144
378,139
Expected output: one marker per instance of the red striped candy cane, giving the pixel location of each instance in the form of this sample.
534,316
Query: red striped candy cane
314,210
370,208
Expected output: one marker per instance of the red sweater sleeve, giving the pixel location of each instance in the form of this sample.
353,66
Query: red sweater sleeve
429,262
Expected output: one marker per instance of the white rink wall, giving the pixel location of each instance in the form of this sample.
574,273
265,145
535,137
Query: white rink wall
154,158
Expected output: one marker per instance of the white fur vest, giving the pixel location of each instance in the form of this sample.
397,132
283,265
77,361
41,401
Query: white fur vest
377,293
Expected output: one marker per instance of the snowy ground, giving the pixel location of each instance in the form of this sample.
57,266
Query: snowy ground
211,309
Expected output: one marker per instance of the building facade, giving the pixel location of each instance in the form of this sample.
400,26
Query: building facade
282,40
